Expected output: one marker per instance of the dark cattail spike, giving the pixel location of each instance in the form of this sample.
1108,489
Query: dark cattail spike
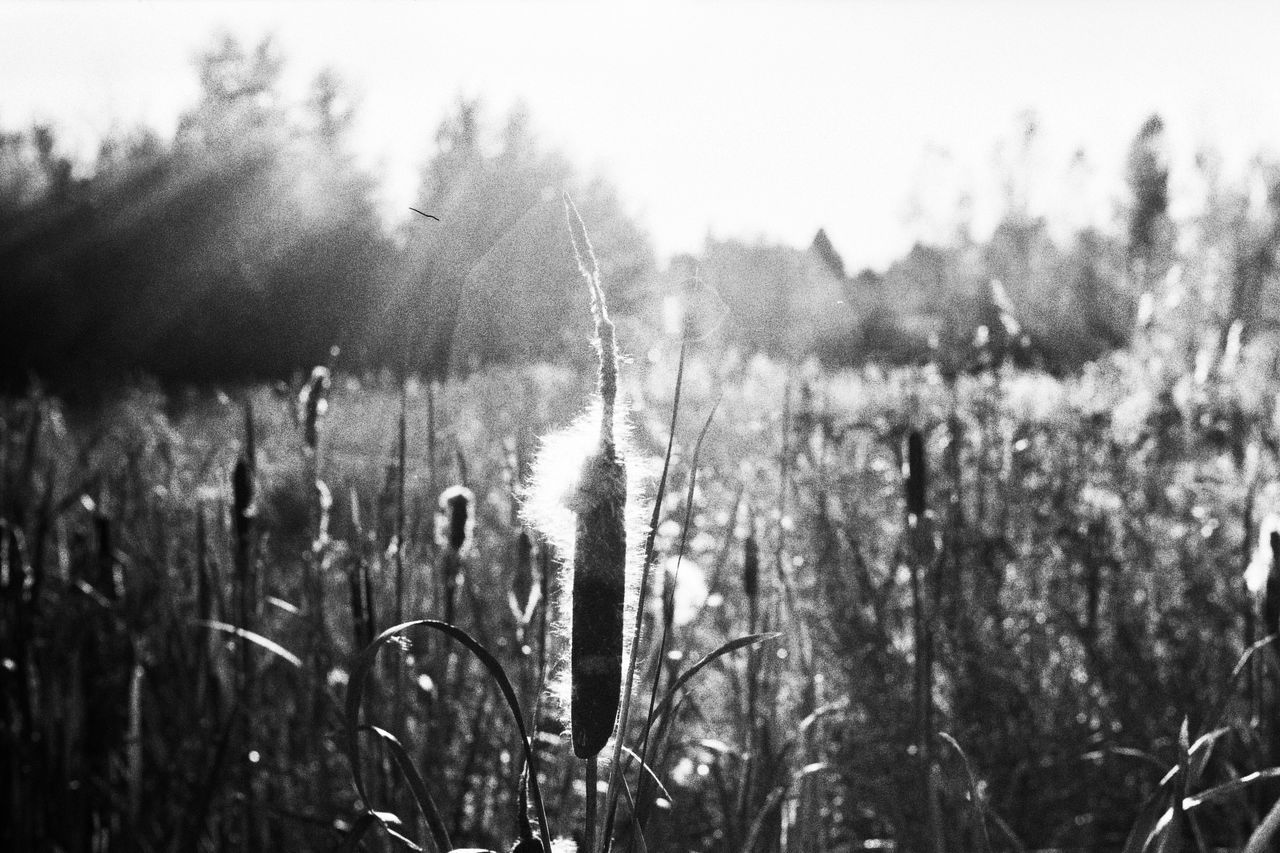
600,539
314,403
242,503
599,588
669,597
250,441
455,507
917,475
1271,604
751,565
453,530
522,585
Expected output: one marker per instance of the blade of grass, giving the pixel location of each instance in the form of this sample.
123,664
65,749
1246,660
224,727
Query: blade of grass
368,821
684,677
979,810
253,637
427,805
1260,841
355,693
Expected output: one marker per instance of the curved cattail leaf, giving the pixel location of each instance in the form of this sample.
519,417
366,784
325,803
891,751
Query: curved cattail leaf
355,695
367,821
668,700
917,475
422,797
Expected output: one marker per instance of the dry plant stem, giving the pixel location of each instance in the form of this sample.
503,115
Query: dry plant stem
666,625
589,831
1250,626
615,767
243,497
924,681
753,689
397,681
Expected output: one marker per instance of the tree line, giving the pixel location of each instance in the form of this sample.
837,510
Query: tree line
249,246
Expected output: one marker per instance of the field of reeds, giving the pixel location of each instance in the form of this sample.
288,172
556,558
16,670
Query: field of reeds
923,609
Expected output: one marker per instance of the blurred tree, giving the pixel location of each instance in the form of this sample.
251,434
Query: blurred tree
1257,240
1150,229
248,246
494,278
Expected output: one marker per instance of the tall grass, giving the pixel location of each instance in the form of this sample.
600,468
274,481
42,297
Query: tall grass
201,651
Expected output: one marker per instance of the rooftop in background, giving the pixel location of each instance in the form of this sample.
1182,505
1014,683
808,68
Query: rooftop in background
874,121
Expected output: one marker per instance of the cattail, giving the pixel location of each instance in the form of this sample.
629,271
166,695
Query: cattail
250,442
525,593
242,504
600,541
454,526
1271,604
917,475
324,505
314,400
522,585
751,566
578,499
455,523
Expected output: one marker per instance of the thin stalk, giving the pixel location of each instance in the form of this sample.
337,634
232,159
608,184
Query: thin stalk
589,833
611,797
666,624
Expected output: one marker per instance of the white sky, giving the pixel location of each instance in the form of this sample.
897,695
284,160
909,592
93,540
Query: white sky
738,119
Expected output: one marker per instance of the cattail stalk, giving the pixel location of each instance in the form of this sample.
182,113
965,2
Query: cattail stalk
916,487
455,527
917,477
242,496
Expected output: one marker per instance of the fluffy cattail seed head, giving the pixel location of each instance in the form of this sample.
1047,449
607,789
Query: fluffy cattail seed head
579,499
455,521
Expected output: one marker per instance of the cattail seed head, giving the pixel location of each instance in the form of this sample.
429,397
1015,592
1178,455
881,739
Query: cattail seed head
242,500
751,566
324,505
917,475
580,498
522,583
1271,604
455,522
314,400
1258,571
599,591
